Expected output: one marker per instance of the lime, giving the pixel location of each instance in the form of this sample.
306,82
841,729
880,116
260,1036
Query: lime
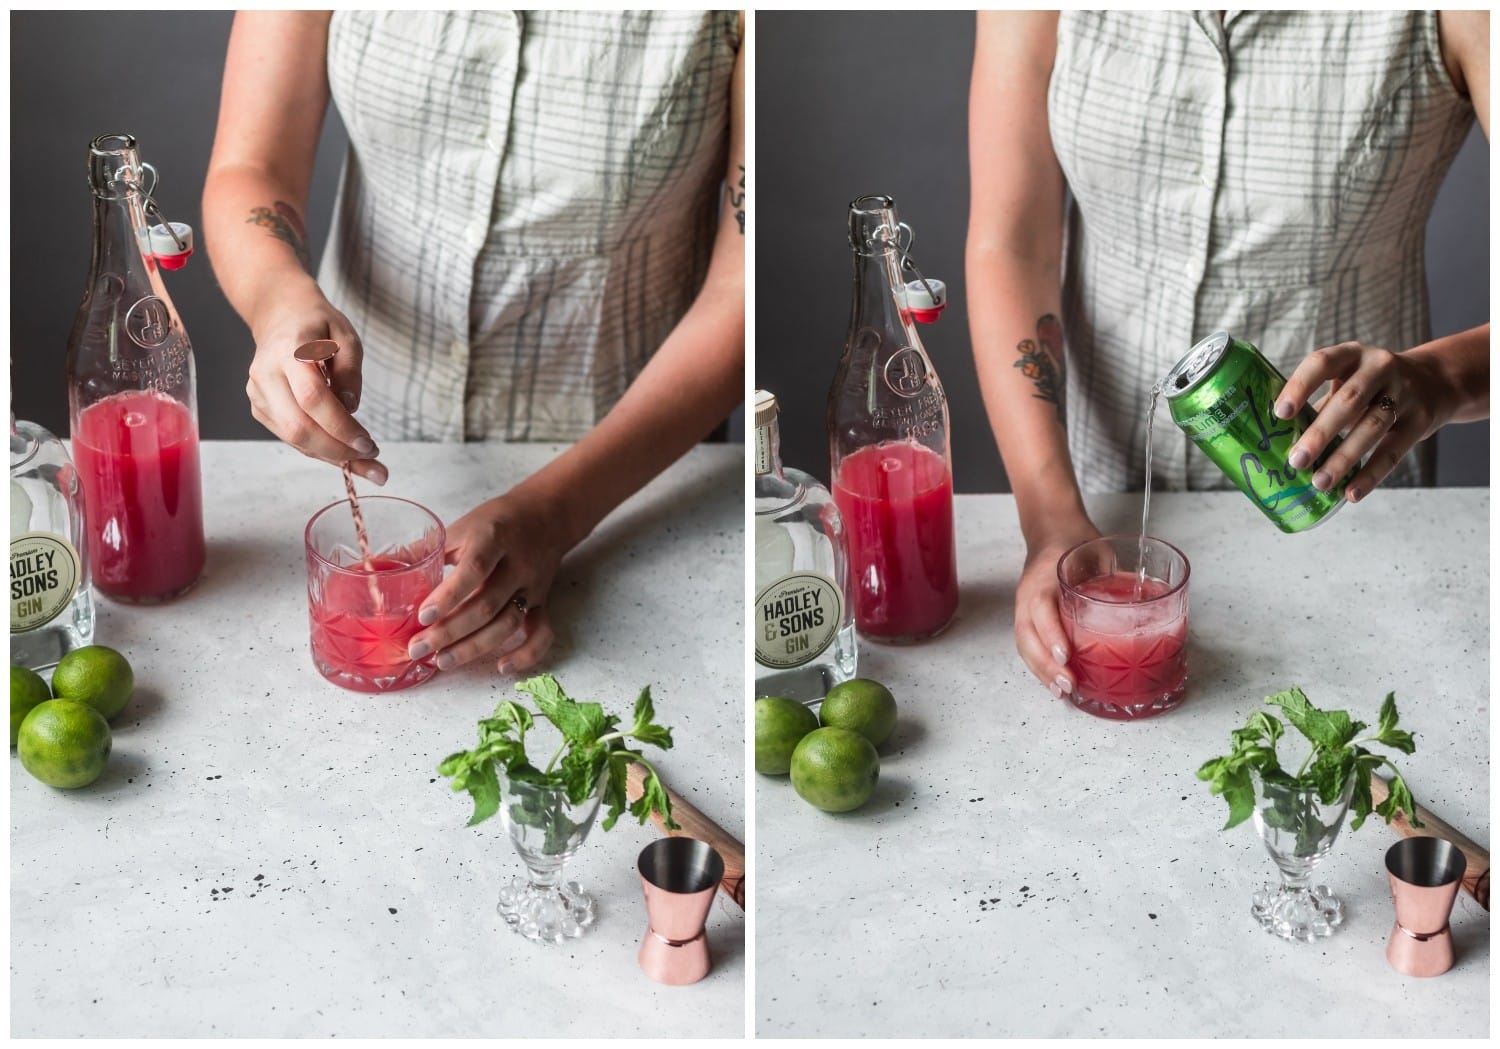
64,743
96,675
27,689
780,725
835,769
863,706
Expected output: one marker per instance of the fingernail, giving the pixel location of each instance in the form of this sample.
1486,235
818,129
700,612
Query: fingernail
428,615
364,446
349,399
1322,480
445,661
377,474
1283,409
1354,495
418,649
1059,653
1299,458
1055,690
504,667
1064,686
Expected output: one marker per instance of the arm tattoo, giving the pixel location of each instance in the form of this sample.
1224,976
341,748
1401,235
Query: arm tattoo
283,223
737,200
1042,362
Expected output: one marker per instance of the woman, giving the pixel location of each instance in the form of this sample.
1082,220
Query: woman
1265,172
525,248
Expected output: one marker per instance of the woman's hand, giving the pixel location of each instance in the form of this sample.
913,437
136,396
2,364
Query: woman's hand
1040,638
290,398
505,554
1383,402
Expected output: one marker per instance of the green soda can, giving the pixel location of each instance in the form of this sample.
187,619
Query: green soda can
1220,394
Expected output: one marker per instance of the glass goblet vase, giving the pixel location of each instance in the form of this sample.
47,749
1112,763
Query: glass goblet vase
1298,829
546,830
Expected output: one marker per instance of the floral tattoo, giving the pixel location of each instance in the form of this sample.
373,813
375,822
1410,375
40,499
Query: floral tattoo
1042,362
283,223
737,200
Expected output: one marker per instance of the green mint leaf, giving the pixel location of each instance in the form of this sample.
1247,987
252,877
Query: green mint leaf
581,768
484,787
1330,729
645,711
1399,800
1388,714
1330,772
1389,735
654,735
578,722
615,798
1239,792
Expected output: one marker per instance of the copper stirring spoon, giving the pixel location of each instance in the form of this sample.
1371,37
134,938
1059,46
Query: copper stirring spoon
319,352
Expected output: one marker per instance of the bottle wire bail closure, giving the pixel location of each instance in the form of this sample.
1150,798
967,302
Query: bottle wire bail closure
169,243
926,297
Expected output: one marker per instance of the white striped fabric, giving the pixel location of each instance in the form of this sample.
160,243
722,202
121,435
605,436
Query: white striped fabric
527,208
1270,174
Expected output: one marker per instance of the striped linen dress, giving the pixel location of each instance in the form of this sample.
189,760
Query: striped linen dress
1271,174
527,209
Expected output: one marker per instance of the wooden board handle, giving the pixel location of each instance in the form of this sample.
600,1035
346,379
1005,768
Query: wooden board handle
693,824
1476,875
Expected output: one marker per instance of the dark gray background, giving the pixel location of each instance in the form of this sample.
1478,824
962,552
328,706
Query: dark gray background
75,75
879,104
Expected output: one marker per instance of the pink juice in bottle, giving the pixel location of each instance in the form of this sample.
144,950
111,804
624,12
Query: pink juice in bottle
896,499
137,454
1129,642
362,621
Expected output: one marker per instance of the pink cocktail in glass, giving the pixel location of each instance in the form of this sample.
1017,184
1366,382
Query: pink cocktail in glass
1126,627
363,613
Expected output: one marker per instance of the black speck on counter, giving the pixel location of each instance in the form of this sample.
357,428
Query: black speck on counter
260,877
391,909
1151,916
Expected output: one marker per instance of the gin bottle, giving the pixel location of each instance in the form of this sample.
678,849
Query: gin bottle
804,622
51,605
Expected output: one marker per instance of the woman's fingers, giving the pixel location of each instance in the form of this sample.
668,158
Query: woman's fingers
1040,641
346,371
1330,363
528,655
472,561
1362,406
1368,430
477,627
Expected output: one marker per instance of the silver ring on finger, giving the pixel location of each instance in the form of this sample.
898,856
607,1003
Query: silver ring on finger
518,599
1385,403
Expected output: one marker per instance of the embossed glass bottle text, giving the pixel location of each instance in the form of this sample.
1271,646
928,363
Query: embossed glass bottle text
131,398
888,446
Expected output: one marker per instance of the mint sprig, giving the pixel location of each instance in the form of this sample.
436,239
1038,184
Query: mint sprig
594,747
1338,756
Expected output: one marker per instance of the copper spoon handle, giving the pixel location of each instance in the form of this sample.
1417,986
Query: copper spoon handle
1476,875
693,824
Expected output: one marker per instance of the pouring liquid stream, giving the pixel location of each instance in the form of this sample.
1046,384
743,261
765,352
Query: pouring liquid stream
1140,577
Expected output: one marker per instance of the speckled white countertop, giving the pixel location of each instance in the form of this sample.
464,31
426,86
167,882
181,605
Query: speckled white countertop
269,855
1027,869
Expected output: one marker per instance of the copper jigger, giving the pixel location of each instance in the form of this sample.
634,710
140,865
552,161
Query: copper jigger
679,877
1425,874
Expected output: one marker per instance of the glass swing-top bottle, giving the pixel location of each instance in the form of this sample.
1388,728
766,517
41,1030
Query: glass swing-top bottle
888,441
804,628
131,392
